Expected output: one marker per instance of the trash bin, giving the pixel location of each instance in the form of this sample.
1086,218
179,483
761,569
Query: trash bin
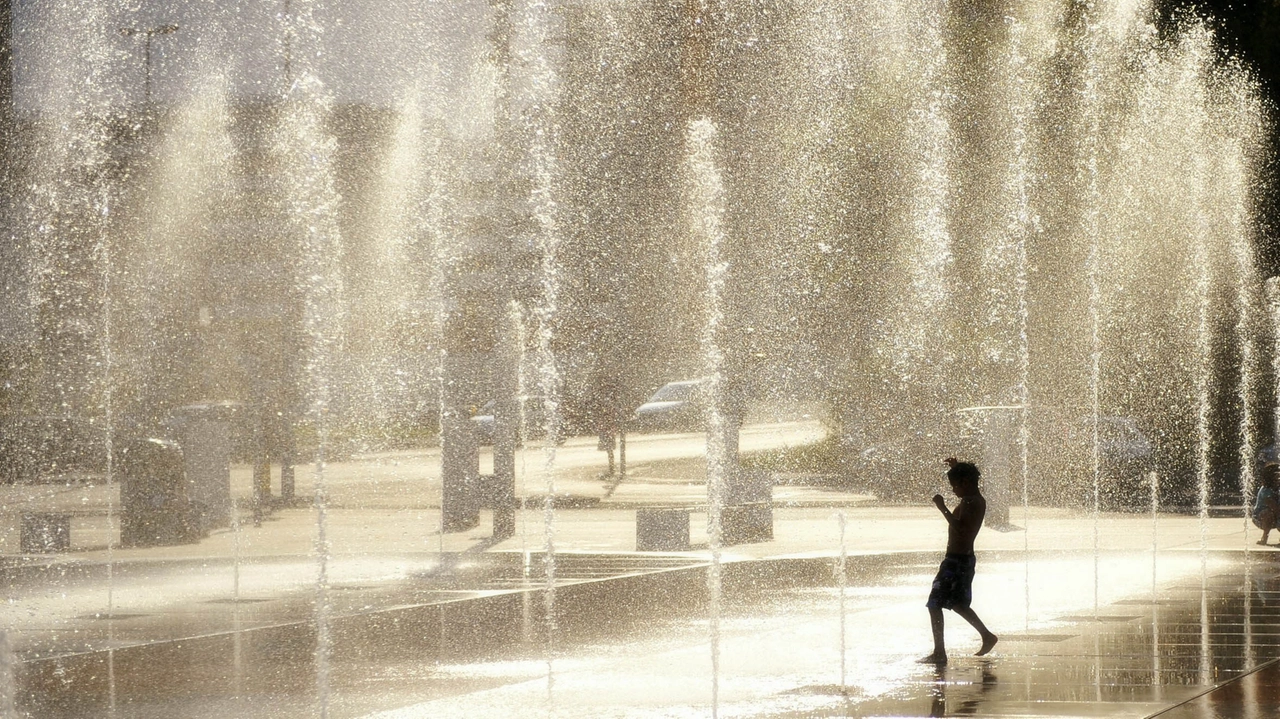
204,433
156,507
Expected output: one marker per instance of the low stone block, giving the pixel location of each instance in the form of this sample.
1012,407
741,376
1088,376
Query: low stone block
662,530
746,523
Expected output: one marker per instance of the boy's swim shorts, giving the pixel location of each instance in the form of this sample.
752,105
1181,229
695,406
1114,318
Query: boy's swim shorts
953,587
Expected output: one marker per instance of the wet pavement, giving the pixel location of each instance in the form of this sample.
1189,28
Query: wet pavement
1172,615
468,637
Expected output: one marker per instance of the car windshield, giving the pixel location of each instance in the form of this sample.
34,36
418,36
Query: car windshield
674,393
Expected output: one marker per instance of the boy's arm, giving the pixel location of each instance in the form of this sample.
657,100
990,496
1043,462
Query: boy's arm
947,514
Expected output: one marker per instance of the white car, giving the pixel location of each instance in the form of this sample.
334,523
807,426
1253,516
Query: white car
675,407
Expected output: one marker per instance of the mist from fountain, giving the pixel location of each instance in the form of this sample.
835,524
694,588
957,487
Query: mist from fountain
383,303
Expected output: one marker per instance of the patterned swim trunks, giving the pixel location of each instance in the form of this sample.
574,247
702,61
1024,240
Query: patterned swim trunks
953,587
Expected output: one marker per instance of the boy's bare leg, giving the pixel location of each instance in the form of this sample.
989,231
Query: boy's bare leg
939,655
988,639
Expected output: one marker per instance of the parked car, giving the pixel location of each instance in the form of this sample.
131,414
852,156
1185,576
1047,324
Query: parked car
482,421
675,407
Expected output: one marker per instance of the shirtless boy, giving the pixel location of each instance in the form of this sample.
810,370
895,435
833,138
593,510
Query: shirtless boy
953,587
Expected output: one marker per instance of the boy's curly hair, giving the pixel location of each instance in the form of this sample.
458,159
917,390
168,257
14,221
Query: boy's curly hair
961,472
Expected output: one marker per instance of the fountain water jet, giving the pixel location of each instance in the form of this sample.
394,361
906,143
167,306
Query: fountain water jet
1090,101
1021,226
842,582
927,248
306,149
1194,53
533,23
706,214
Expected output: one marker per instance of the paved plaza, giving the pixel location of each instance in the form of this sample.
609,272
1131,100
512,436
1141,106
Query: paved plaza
1170,614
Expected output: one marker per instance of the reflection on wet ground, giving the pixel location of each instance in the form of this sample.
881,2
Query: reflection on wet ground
470,638
1255,695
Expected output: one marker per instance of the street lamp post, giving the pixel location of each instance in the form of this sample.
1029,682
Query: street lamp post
288,44
147,34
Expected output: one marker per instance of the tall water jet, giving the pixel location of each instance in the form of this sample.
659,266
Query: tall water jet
1007,257
383,321
926,253
443,256
1022,225
73,220
1090,225
1192,58
1240,143
706,207
538,93
306,150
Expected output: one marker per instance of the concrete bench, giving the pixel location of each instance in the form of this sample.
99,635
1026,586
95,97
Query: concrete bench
662,529
666,529
746,523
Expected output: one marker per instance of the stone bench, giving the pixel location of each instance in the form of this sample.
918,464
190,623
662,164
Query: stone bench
663,529
666,529
746,523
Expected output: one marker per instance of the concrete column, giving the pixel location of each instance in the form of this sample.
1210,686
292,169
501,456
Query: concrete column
288,449
999,445
469,342
506,422
460,472
261,459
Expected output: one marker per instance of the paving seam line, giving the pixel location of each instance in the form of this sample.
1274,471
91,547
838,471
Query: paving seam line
1215,688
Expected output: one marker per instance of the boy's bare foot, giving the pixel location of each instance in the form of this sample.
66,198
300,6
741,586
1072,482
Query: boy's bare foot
935,658
988,643
1262,542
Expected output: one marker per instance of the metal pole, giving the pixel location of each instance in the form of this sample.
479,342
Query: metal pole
147,35
288,44
146,64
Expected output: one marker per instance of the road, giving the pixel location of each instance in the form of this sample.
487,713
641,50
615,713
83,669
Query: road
412,478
